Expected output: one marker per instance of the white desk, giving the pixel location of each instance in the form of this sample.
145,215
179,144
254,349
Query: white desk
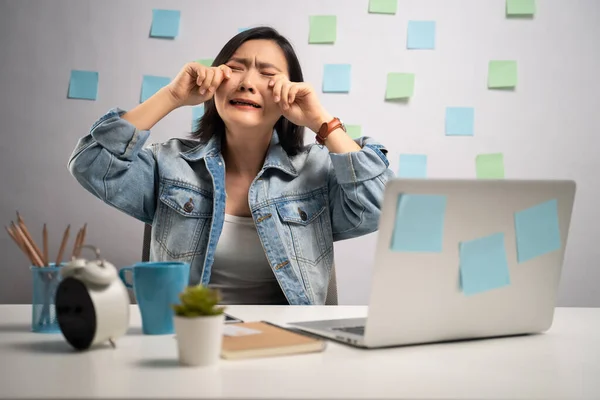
564,363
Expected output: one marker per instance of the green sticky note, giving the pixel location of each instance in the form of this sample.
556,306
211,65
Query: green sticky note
354,131
483,264
490,166
520,7
207,62
383,6
502,74
323,29
399,85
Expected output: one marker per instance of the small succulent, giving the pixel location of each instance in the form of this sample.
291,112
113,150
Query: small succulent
198,301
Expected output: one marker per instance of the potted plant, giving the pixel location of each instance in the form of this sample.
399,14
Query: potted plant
198,323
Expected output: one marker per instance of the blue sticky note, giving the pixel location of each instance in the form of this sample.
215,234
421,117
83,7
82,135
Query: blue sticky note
459,121
483,264
152,84
336,78
240,30
165,23
419,224
420,35
83,85
197,113
537,230
413,166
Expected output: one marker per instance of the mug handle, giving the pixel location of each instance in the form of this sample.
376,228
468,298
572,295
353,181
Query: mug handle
122,272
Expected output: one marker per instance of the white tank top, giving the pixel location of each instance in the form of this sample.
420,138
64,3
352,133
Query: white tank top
241,271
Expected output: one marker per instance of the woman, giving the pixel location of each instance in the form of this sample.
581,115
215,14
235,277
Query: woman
253,210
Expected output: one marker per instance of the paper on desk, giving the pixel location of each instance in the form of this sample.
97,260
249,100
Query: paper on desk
419,225
232,330
537,230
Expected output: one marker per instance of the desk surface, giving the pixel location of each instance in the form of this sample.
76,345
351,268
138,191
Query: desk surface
563,363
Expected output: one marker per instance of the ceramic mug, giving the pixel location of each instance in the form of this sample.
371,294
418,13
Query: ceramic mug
157,286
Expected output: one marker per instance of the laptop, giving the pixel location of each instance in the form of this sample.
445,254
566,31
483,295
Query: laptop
460,260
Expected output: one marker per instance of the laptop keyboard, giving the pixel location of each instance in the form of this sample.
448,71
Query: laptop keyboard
357,330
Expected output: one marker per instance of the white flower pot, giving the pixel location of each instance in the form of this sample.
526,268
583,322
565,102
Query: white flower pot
199,339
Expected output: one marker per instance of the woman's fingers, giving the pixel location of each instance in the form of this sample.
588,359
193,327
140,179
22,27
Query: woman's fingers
285,92
210,74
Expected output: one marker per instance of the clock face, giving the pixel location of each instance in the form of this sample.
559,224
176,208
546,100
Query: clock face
75,313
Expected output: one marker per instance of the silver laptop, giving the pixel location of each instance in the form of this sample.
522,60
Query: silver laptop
461,259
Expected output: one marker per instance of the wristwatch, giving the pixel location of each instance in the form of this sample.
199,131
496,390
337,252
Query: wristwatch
328,127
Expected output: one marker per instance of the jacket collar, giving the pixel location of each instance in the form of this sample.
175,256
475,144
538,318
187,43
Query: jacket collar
276,155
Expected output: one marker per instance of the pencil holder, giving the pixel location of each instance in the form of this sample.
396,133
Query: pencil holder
43,310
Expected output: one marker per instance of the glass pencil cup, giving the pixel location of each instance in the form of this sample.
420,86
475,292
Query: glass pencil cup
43,310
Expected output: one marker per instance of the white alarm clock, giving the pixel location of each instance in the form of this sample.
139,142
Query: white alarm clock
92,303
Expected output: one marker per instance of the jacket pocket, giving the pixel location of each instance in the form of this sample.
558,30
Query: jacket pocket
184,215
307,221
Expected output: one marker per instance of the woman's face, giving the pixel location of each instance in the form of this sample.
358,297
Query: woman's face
245,100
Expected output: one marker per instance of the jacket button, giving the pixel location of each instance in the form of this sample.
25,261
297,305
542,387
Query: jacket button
189,206
303,215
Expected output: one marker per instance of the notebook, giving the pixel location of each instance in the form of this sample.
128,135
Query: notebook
264,339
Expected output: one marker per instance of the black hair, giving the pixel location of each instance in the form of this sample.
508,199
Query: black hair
291,136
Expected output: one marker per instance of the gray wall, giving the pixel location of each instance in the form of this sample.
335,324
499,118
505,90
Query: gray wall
547,128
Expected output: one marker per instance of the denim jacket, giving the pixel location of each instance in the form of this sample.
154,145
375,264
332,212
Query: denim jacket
300,204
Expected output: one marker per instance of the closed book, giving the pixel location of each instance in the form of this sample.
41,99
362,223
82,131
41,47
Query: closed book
263,339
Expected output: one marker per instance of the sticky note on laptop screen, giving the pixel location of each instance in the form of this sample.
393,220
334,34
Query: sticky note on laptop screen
483,264
419,223
537,230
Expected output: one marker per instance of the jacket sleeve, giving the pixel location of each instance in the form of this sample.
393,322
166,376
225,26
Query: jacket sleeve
112,163
356,185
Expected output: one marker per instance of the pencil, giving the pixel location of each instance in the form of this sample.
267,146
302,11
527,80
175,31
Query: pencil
63,244
27,235
82,240
17,241
36,258
76,244
45,234
14,234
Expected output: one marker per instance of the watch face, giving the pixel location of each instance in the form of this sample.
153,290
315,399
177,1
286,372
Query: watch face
75,313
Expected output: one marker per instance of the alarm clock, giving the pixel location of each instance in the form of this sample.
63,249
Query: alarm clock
92,303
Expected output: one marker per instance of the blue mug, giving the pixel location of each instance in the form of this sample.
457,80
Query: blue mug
157,286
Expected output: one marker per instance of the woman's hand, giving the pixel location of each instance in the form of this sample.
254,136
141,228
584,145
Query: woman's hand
299,103
196,83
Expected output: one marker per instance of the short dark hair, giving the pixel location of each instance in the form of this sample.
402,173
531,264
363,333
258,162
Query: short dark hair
291,136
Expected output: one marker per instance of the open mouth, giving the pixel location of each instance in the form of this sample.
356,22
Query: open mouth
246,103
